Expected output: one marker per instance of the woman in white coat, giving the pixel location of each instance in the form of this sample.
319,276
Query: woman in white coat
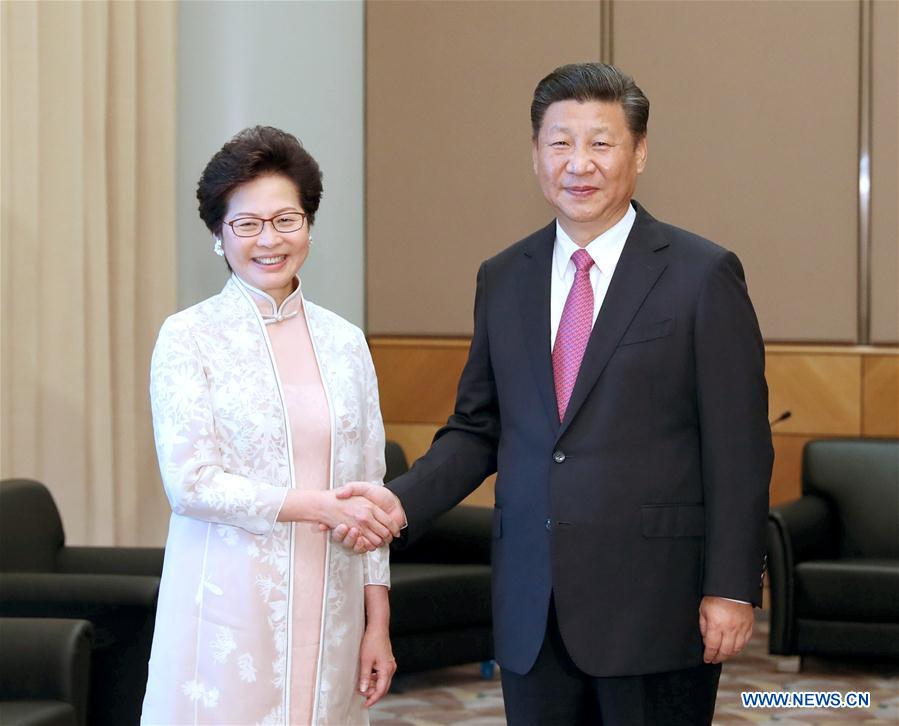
263,403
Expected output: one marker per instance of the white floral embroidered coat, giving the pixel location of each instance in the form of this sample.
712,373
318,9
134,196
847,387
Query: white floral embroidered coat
223,627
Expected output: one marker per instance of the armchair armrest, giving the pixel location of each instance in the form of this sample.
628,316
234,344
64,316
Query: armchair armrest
46,659
810,526
44,594
798,531
463,535
111,560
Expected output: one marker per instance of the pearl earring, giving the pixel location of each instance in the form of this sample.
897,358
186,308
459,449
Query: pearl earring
217,247
310,239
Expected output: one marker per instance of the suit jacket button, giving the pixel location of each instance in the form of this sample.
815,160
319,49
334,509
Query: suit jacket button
558,456
549,524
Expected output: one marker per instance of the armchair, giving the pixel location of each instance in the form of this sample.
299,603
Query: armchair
833,555
44,671
115,588
440,594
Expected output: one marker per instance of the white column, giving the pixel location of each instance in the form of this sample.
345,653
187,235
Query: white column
298,66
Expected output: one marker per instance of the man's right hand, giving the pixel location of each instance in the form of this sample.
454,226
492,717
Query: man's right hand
384,500
366,516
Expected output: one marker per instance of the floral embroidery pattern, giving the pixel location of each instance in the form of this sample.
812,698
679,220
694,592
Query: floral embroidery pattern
223,644
196,691
247,670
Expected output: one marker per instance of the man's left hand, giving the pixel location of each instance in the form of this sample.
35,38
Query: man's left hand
725,626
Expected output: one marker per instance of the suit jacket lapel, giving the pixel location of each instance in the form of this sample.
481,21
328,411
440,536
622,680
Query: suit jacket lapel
534,291
639,267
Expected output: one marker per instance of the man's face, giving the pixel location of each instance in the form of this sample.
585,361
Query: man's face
587,162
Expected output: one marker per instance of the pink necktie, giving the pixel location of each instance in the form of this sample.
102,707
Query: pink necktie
574,331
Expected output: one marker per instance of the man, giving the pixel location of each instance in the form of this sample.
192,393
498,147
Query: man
616,383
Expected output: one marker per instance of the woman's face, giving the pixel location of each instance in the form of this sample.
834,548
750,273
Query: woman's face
270,259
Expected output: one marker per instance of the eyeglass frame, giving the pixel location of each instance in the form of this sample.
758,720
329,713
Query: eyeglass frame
270,220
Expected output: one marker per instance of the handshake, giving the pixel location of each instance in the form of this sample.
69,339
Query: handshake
362,516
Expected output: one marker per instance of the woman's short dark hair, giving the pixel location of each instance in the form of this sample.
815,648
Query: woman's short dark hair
255,152
591,82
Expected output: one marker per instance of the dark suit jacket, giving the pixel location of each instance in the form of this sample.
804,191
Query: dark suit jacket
654,489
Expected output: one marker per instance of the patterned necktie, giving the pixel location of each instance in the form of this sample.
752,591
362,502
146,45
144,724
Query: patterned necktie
574,331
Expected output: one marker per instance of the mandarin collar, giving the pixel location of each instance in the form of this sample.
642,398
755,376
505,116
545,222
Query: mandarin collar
270,311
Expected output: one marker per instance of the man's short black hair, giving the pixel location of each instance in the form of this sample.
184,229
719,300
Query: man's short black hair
591,82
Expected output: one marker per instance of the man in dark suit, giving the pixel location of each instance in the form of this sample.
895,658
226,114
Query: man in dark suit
616,383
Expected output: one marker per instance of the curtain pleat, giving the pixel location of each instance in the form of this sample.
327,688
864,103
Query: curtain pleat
88,255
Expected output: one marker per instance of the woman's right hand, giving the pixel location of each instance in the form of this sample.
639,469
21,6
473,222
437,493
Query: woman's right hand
360,513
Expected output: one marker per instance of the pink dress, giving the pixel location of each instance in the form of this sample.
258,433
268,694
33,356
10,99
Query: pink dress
307,411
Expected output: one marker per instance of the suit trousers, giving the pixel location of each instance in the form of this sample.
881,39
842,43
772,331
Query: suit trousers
555,692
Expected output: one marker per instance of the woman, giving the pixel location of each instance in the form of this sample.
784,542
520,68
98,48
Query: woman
262,403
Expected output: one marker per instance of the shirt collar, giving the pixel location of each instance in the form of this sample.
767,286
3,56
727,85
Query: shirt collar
604,249
268,308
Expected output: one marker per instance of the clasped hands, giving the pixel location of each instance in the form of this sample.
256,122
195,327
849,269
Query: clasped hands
367,516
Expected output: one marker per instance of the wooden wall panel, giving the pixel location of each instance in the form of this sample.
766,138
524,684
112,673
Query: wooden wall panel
880,404
484,495
747,99
786,478
417,378
831,391
414,438
820,390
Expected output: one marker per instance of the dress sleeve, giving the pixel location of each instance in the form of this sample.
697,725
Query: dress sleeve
376,564
190,458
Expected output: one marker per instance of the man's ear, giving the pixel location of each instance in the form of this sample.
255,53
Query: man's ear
534,156
641,150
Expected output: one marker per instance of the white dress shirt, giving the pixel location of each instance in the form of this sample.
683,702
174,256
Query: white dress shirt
605,251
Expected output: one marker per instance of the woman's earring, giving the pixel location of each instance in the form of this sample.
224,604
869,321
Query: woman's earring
217,247
310,239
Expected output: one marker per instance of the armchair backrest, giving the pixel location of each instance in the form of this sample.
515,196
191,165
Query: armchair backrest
860,480
31,531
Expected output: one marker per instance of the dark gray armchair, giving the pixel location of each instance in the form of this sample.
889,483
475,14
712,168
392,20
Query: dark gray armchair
44,671
440,595
833,555
115,588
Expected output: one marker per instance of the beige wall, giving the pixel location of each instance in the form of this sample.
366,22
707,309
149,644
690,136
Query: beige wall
747,102
753,142
885,174
449,179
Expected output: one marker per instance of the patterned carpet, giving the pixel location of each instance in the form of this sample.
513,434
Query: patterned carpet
461,697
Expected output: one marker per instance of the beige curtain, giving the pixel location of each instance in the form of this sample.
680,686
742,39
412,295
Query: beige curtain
88,255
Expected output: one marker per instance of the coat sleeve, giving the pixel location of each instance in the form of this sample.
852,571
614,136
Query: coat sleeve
376,564
190,459
737,456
